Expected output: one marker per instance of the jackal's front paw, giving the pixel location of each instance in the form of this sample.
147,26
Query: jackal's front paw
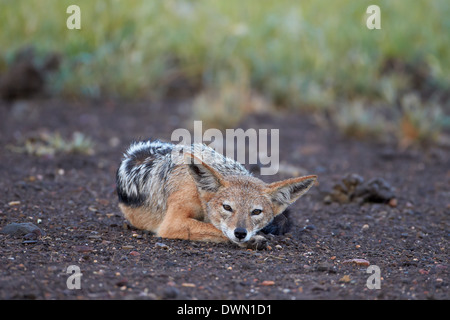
257,242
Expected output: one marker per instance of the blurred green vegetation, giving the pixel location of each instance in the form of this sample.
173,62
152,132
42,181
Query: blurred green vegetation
45,143
314,55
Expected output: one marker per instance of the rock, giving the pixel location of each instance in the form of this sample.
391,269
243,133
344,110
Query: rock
161,246
327,199
375,190
27,229
32,235
353,179
325,267
393,202
352,187
188,285
122,282
29,241
170,292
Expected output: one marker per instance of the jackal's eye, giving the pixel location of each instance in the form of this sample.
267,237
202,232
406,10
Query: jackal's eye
256,212
227,207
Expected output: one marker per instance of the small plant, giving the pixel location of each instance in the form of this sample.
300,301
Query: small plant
421,122
360,121
50,144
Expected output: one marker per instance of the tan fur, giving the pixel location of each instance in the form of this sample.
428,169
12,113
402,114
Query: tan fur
197,196
180,222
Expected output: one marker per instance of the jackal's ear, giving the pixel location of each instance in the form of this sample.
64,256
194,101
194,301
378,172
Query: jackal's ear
206,178
286,192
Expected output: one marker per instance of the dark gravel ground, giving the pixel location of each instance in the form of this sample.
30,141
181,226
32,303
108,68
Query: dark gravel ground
71,199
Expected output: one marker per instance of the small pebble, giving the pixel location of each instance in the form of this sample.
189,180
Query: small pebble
29,241
358,262
92,209
188,285
325,267
122,283
170,292
22,229
345,279
393,202
161,245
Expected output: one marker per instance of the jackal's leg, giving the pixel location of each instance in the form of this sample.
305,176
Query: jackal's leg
179,221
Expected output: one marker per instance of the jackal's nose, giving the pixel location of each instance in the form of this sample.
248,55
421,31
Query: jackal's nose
240,233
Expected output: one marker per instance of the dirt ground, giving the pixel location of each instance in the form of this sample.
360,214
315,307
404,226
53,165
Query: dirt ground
71,199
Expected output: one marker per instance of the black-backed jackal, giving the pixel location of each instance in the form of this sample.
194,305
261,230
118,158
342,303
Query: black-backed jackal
193,192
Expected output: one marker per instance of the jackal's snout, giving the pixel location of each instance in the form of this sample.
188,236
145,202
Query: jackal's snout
240,233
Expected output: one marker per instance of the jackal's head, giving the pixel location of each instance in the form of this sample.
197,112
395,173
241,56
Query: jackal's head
241,205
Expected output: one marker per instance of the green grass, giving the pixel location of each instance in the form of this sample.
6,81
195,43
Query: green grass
296,54
46,143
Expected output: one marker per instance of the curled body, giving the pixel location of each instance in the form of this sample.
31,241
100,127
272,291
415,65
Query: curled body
195,193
